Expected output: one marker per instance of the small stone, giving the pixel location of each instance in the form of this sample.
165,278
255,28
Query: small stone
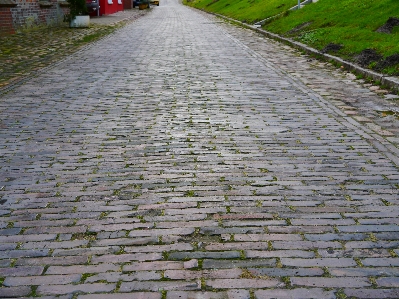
350,112
382,91
391,97
362,119
191,264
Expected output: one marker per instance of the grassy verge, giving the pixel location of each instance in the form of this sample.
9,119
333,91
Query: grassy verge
249,11
348,27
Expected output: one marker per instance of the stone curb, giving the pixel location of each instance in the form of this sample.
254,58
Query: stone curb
390,81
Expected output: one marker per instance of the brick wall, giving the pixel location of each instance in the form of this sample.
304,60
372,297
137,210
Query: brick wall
29,13
6,24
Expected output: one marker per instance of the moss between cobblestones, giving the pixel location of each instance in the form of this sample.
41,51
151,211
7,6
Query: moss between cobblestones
85,276
24,53
91,236
340,294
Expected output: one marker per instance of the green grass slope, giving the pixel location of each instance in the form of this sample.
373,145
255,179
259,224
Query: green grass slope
352,24
249,11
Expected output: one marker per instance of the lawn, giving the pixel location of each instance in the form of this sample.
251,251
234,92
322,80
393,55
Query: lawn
249,11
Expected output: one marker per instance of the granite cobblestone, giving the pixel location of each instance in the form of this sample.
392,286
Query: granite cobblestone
183,157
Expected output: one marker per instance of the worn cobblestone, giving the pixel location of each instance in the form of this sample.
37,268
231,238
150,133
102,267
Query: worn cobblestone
183,157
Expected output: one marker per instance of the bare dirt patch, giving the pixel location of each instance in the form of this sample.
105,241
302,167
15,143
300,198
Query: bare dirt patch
367,56
389,25
389,61
370,58
331,48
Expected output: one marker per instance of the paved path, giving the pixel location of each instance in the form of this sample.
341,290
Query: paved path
178,159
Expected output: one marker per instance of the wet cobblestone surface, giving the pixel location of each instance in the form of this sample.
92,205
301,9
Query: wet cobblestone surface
189,158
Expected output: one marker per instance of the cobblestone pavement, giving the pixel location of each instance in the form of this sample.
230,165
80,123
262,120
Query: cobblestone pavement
186,159
25,54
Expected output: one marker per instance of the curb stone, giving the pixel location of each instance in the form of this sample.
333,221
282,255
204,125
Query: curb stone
390,81
377,141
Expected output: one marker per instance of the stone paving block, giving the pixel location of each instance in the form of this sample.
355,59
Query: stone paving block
24,253
8,246
392,282
368,228
334,237
72,288
381,262
369,244
28,238
64,260
117,276
372,271
159,285
244,283
238,294
21,271
9,231
330,253
278,253
264,237
136,295
63,270
318,262
372,293
161,232
204,254
122,258
160,248
125,241
86,251
186,224
326,282
55,245
209,274
41,280
196,295
14,292
280,272
225,264
304,244
155,265
295,293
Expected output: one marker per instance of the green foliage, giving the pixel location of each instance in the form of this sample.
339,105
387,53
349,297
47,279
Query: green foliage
76,8
351,23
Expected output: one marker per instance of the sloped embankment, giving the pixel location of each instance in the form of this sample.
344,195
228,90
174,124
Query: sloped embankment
350,29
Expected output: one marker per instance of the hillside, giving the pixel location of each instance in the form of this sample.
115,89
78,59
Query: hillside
350,29
248,11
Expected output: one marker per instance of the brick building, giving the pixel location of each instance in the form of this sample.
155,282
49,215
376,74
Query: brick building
20,14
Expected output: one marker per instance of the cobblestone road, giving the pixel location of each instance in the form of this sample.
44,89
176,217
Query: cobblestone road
178,158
